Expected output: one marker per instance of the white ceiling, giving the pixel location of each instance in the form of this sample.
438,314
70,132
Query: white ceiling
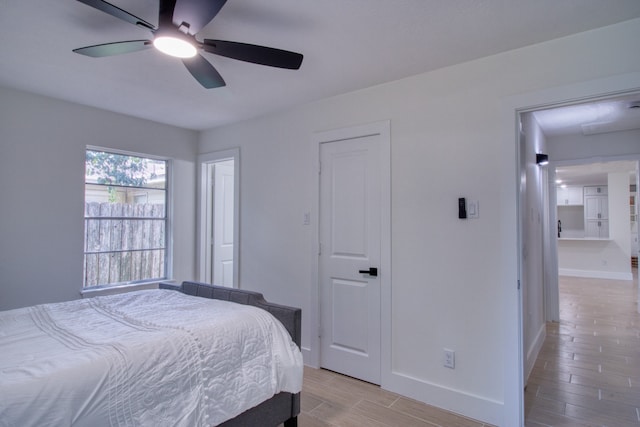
594,173
348,45
603,116
590,118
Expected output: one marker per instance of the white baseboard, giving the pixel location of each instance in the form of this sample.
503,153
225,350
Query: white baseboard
596,274
534,350
456,401
309,358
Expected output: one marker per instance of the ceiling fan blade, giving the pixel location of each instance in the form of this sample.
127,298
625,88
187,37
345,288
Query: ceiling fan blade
196,13
165,11
252,53
117,48
117,12
204,72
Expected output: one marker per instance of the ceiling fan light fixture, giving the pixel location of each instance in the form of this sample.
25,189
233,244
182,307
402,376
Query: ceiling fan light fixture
174,46
178,40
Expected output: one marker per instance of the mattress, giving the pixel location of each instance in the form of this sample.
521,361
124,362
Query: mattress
145,358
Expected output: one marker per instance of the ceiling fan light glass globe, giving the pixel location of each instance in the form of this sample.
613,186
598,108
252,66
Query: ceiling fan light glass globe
175,47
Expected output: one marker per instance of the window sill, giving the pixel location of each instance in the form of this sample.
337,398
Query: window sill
118,289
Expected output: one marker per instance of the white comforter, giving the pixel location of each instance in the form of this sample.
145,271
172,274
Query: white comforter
147,358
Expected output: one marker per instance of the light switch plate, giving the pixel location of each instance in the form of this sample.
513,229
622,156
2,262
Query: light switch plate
473,209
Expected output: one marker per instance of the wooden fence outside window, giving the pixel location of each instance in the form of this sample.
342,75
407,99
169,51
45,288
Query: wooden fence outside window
124,243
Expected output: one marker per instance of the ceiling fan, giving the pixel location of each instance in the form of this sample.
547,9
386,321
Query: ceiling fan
178,23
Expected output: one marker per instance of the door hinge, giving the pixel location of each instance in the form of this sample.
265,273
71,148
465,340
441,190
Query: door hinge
518,284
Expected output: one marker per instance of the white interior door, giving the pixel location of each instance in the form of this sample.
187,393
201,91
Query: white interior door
226,227
350,251
222,239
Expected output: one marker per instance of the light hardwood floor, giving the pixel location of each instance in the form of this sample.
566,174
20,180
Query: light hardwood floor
588,371
330,399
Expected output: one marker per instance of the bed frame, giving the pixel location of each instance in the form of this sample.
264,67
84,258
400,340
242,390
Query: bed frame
283,407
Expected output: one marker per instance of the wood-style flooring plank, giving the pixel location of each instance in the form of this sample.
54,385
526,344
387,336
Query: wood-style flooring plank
588,370
331,399
432,414
587,374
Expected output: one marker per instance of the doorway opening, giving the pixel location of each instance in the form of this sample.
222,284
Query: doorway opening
218,218
592,147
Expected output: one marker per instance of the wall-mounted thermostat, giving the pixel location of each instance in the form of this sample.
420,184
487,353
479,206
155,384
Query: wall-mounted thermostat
468,208
462,208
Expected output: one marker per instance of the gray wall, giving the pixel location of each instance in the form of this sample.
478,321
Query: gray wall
42,143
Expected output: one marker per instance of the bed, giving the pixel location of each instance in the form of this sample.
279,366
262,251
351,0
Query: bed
150,358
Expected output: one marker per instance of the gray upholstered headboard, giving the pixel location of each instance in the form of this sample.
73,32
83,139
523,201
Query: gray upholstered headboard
290,317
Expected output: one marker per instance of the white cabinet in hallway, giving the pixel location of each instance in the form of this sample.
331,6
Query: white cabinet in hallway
569,196
595,190
596,212
597,228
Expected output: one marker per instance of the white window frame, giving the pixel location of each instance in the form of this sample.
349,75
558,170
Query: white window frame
168,258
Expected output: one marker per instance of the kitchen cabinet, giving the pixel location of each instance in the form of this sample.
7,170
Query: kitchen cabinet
597,228
596,207
569,196
595,190
596,212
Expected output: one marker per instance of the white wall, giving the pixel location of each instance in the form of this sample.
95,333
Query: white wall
608,260
619,220
453,134
599,146
533,209
602,259
42,143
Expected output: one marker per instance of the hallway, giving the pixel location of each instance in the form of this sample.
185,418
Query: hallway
588,370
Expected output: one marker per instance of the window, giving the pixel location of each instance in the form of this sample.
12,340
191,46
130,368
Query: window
125,219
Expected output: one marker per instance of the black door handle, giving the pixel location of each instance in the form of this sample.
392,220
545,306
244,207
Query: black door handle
372,271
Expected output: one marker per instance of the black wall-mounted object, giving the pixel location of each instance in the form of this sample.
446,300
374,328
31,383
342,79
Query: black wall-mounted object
542,159
462,208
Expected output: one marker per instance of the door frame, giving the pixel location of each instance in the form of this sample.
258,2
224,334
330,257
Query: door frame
383,129
514,106
203,187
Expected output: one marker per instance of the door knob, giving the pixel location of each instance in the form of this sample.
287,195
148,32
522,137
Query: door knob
372,271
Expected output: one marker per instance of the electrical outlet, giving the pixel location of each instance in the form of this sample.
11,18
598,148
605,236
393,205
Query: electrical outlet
449,358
